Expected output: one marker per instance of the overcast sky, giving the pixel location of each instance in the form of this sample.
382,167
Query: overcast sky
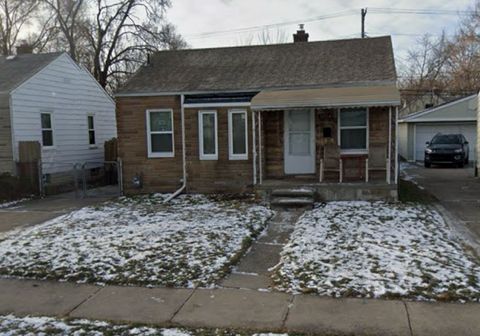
196,19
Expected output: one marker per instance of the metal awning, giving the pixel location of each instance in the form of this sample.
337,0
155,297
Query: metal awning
381,95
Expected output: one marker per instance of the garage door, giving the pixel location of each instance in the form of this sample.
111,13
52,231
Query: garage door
425,133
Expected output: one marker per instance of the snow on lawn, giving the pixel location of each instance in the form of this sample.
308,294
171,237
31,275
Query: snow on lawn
364,249
11,325
140,240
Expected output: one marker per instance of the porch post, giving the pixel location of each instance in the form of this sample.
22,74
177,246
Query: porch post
389,162
260,162
396,145
254,149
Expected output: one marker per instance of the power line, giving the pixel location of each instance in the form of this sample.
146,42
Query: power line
384,10
347,12
343,13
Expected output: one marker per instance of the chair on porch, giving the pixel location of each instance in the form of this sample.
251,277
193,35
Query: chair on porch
331,161
377,159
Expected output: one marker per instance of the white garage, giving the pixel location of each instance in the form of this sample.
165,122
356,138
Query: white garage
457,117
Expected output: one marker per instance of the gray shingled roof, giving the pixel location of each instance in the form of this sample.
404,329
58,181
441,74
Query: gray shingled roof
291,65
14,72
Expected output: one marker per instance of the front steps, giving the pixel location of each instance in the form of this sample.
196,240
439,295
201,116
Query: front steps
292,198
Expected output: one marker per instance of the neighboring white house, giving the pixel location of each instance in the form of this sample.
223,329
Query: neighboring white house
459,116
50,99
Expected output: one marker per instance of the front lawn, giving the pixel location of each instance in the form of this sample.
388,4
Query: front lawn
363,249
139,240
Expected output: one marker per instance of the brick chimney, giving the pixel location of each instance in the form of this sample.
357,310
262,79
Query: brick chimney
300,36
24,48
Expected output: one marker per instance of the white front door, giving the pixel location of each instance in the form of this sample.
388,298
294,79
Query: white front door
299,151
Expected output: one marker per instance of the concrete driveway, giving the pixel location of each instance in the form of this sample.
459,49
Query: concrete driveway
456,189
37,211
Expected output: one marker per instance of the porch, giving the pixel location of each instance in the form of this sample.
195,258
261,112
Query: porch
343,147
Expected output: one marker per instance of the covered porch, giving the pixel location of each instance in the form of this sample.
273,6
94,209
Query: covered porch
342,138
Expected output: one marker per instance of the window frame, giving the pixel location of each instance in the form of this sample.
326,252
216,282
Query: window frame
51,129
94,145
366,127
150,132
201,148
231,155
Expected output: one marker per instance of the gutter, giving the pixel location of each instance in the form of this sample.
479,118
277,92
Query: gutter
184,156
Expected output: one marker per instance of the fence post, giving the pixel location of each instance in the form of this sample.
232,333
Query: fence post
120,176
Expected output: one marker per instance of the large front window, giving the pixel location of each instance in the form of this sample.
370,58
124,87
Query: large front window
207,130
353,129
237,135
160,133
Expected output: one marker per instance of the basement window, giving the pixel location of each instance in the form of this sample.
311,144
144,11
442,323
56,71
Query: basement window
208,138
160,133
237,135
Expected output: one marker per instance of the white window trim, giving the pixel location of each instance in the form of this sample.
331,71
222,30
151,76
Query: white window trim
231,155
202,155
339,132
47,129
94,145
149,133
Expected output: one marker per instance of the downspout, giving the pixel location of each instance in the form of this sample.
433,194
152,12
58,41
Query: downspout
396,145
389,165
184,156
254,149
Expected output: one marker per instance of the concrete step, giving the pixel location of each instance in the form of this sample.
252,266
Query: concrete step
293,192
292,201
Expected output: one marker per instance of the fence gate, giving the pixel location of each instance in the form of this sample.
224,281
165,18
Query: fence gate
97,179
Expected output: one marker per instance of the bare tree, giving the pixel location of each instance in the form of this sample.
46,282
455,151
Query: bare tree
112,37
70,21
14,16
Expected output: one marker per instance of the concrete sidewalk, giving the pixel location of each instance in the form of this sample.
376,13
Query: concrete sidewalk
237,309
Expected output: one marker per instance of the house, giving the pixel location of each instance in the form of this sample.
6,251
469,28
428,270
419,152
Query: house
235,119
50,99
459,116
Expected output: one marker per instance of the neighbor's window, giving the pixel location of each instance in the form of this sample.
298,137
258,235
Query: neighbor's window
237,135
160,133
47,129
91,130
353,126
207,131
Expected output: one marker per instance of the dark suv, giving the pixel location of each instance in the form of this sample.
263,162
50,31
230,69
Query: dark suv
447,148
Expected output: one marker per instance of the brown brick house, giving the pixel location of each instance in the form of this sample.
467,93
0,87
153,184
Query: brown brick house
234,119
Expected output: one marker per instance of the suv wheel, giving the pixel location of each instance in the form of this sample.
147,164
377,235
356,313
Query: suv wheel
427,164
461,165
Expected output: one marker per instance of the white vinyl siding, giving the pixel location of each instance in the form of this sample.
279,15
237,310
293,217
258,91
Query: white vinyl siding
160,139
353,130
208,135
70,93
237,135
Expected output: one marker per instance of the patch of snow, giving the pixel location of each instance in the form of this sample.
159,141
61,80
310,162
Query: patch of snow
376,249
11,204
138,240
11,325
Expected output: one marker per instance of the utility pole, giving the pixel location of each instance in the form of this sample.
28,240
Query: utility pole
364,14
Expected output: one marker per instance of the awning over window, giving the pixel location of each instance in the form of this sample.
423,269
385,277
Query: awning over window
384,95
